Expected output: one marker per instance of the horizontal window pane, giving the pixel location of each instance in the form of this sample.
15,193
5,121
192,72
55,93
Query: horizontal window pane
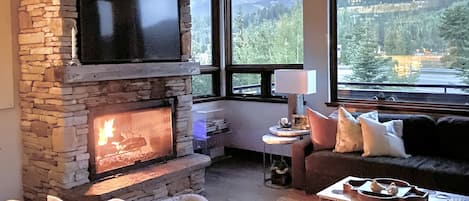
267,32
201,31
409,50
247,83
202,85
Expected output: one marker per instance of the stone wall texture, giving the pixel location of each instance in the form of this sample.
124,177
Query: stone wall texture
54,117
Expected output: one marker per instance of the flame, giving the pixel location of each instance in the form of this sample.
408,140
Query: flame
106,132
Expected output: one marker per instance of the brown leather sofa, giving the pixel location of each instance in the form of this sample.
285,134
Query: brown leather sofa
439,149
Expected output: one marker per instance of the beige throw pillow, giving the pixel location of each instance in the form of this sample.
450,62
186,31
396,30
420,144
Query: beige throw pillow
349,133
382,139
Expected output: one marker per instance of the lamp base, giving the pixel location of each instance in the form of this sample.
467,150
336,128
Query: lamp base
295,105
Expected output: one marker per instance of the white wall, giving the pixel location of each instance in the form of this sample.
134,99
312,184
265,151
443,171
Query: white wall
248,128
10,138
250,121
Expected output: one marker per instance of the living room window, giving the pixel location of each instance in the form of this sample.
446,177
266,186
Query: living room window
400,51
205,47
261,36
247,83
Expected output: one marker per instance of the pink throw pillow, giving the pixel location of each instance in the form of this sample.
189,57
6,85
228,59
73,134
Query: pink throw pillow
323,130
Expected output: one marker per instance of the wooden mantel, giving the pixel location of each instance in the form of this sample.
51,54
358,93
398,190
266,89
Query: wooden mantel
104,72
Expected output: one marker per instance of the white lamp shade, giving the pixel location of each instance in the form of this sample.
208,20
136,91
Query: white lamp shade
295,81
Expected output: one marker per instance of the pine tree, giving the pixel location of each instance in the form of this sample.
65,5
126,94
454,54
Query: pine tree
201,40
344,36
272,35
201,85
397,40
366,66
239,39
288,37
455,30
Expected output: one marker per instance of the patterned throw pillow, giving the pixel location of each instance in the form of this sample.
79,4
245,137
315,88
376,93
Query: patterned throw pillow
349,133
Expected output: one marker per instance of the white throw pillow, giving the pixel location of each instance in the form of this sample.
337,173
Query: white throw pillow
382,139
349,133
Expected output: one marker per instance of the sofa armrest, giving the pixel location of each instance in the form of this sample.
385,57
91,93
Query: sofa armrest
299,151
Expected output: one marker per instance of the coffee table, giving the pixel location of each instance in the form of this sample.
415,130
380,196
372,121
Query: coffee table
335,192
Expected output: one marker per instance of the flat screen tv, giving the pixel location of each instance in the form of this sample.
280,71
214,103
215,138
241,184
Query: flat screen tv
122,31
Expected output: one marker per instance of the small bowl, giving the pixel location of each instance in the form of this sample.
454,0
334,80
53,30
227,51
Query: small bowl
288,125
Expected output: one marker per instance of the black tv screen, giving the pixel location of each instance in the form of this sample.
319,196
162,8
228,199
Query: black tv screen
121,31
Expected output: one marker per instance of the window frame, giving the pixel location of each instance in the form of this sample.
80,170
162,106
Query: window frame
214,69
265,70
408,106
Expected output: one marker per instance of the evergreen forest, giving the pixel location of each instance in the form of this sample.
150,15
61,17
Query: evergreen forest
393,41
378,41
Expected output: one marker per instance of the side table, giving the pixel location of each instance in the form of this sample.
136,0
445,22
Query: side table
287,132
278,137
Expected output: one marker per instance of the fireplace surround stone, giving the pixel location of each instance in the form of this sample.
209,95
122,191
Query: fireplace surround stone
55,113
154,182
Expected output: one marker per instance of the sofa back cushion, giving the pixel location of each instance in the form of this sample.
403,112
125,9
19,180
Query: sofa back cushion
453,135
419,133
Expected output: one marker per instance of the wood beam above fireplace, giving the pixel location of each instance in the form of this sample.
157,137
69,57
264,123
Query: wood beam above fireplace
103,72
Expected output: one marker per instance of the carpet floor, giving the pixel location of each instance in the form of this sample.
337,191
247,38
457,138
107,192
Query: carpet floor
236,179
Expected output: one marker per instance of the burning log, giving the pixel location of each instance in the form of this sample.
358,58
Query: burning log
132,143
116,138
106,149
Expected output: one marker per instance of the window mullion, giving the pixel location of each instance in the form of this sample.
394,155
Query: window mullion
265,84
216,33
333,51
229,83
216,83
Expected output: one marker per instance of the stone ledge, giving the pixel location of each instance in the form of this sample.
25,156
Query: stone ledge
154,174
104,72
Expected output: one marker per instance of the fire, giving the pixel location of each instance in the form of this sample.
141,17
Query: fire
106,132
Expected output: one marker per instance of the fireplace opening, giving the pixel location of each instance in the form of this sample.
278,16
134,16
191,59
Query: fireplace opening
126,136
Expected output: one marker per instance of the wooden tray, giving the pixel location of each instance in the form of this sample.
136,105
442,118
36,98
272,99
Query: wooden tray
361,189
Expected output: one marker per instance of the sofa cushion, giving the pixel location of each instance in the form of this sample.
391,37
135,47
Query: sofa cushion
324,168
453,135
419,133
423,171
332,163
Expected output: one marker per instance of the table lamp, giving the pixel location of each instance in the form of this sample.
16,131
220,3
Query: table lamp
295,83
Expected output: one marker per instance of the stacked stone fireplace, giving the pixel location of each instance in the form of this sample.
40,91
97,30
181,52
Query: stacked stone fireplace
63,113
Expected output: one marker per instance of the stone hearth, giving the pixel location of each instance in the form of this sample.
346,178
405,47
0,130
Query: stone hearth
55,107
182,175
